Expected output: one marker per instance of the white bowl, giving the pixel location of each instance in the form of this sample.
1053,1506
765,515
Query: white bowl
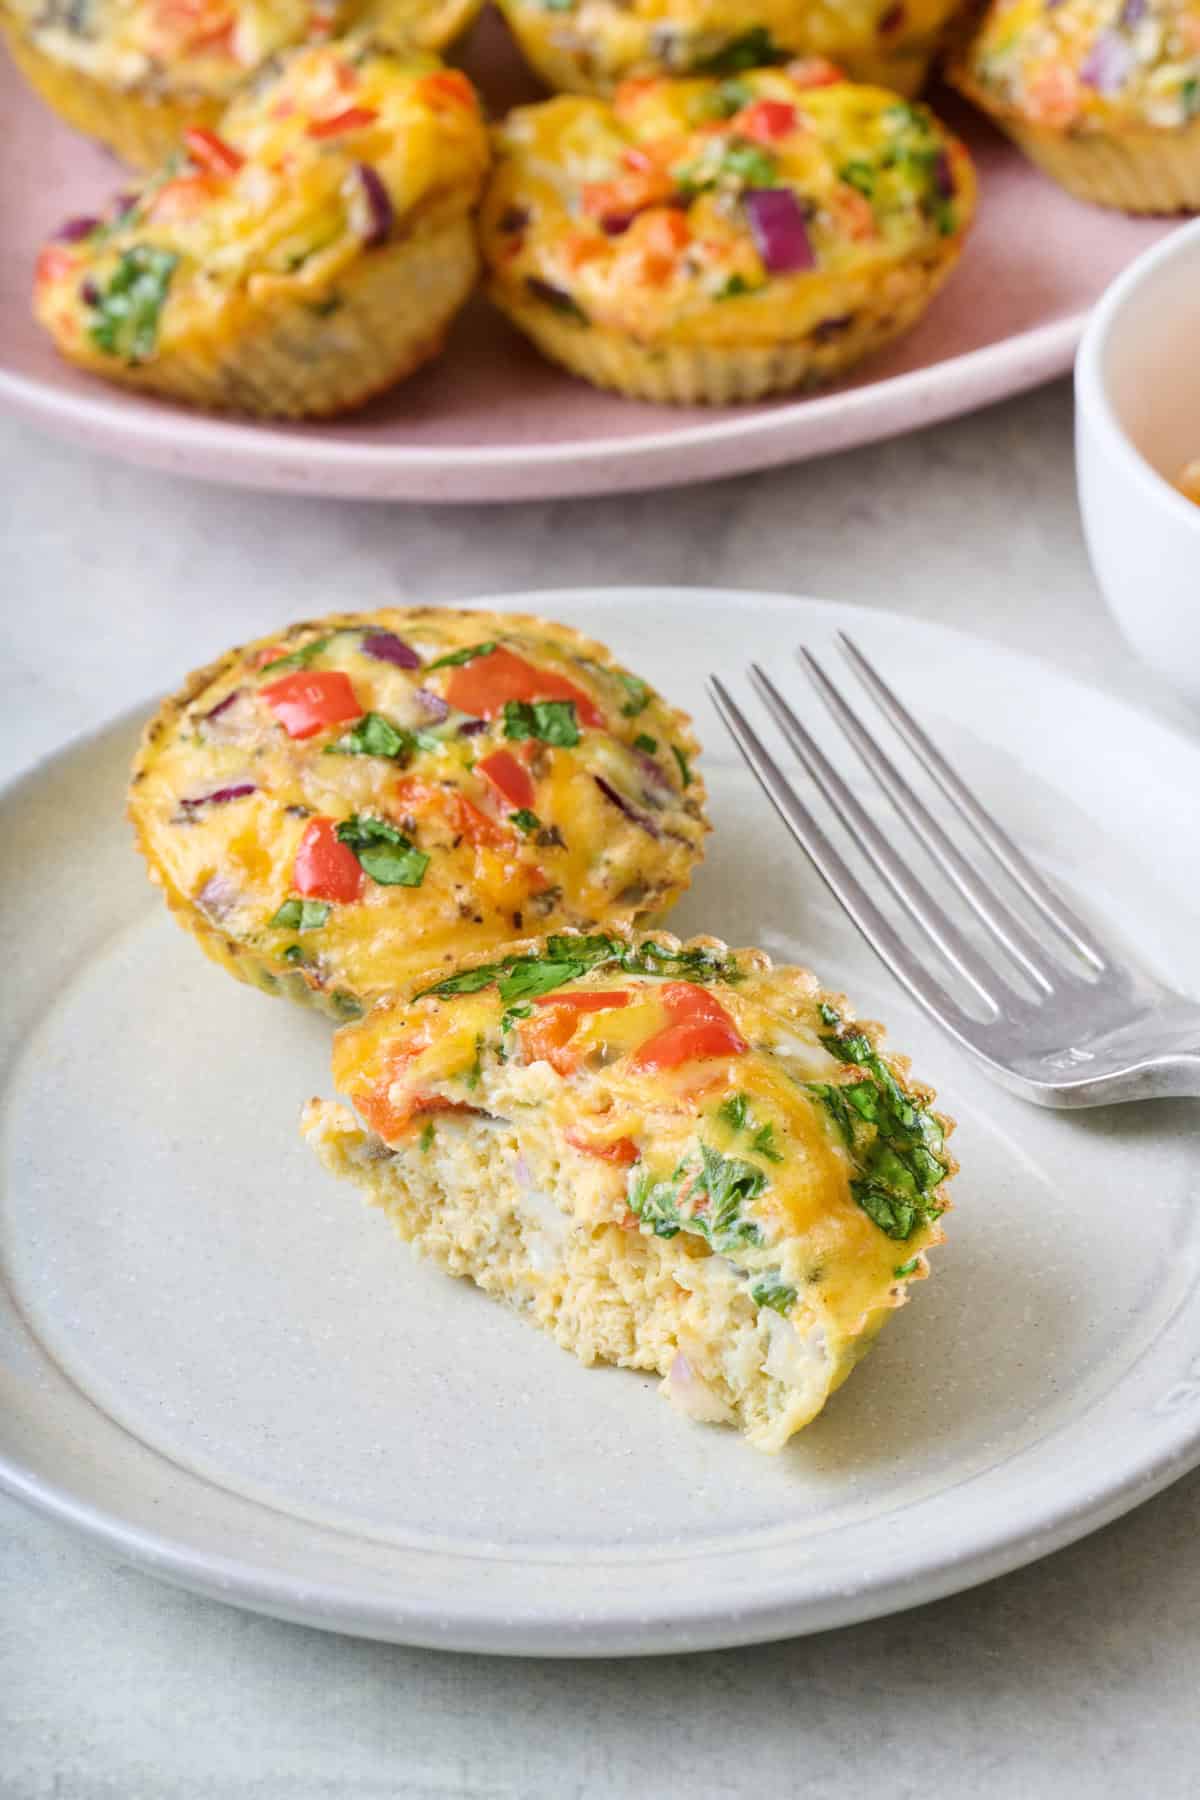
1137,422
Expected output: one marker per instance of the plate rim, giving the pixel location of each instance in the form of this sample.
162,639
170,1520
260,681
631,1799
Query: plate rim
269,457
711,1623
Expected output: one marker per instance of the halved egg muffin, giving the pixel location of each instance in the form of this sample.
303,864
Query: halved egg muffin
306,257
671,1156
135,73
718,240
589,46
375,794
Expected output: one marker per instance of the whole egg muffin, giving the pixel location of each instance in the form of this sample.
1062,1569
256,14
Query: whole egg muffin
379,793
671,1156
1104,95
306,258
717,240
589,46
135,73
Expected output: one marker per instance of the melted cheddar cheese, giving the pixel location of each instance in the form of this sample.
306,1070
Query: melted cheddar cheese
377,794
769,208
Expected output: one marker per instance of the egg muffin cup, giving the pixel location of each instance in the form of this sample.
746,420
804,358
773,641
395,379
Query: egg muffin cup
591,46
148,85
1105,99
307,258
141,125
671,1156
373,794
705,242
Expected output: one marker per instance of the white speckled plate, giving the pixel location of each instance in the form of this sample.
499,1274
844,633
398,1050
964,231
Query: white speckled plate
222,1368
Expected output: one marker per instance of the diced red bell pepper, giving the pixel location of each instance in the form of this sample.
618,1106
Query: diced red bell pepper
458,814
210,152
605,1001
482,686
354,118
511,781
306,701
700,1029
447,87
389,1121
621,1150
325,868
766,120
546,1037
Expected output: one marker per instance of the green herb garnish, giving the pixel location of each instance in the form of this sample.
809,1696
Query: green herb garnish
455,658
748,164
895,1144
708,1201
127,311
858,175
525,821
553,721
298,659
386,854
637,691
735,286
427,1135
773,1291
302,915
906,1268
685,768
721,102
643,741
752,49
373,735
567,958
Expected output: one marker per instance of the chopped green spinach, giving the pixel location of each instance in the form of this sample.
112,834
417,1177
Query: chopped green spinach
455,658
385,853
373,735
525,821
298,659
553,721
896,1146
302,915
127,310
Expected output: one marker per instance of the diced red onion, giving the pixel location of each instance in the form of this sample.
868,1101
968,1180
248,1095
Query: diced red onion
623,805
89,293
218,896
1107,64
616,224
943,175
471,727
214,712
219,796
386,647
1133,12
433,706
655,775
71,230
381,214
779,230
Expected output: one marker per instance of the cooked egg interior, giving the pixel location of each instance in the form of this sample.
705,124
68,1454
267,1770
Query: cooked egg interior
677,1159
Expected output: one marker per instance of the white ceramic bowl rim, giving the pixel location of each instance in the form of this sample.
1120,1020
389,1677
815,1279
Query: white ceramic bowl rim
1091,380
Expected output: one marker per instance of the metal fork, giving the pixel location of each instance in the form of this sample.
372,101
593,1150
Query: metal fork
1079,1025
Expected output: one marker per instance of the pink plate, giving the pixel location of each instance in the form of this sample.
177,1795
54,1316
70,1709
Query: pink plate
492,421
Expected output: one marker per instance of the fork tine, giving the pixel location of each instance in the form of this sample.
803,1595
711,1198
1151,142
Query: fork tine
917,901
844,887
989,832
983,900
